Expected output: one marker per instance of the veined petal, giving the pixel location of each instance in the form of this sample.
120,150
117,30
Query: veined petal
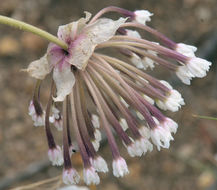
69,31
39,68
54,54
64,80
103,29
83,47
186,50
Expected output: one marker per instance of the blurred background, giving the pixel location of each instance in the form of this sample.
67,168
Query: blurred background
191,161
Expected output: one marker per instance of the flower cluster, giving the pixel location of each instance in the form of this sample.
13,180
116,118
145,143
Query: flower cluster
102,93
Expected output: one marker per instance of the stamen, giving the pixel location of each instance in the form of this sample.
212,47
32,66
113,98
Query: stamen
168,42
56,117
81,120
144,75
50,139
67,159
110,9
86,113
71,147
111,140
54,152
113,120
150,90
116,125
84,154
135,101
156,47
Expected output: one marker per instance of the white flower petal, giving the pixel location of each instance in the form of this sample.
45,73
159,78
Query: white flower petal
161,134
124,102
39,120
97,135
171,125
123,124
95,120
100,164
198,67
90,176
173,100
186,50
64,80
148,62
68,31
144,145
55,54
55,155
119,167
136,60
148,99
140,116
133,33
83,47
142,16
145,132
96,145
70,176
133,150
73,187
165,83
184,74
39,68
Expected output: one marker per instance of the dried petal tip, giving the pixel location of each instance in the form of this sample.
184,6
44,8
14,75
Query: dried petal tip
148,99
100,31
39,120
171,125
185,49
119,167
173,100
97,135
148,62
136,60
145,132
144,145
56,118
140,116
161,136
96,144
124,102
95,121
133,33
90,176
142,16
100,164
133,150
39,68
55,155
123,124
198,67
70,176
184,74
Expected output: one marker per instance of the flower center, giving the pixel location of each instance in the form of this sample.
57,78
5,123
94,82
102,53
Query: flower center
73,68
65,52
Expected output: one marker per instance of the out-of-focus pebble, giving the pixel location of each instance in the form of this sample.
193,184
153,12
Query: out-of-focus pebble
205,180
9,46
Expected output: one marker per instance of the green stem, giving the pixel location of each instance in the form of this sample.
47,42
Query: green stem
29,28
204,117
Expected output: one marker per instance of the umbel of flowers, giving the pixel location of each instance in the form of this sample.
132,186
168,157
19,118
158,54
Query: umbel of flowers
102,93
